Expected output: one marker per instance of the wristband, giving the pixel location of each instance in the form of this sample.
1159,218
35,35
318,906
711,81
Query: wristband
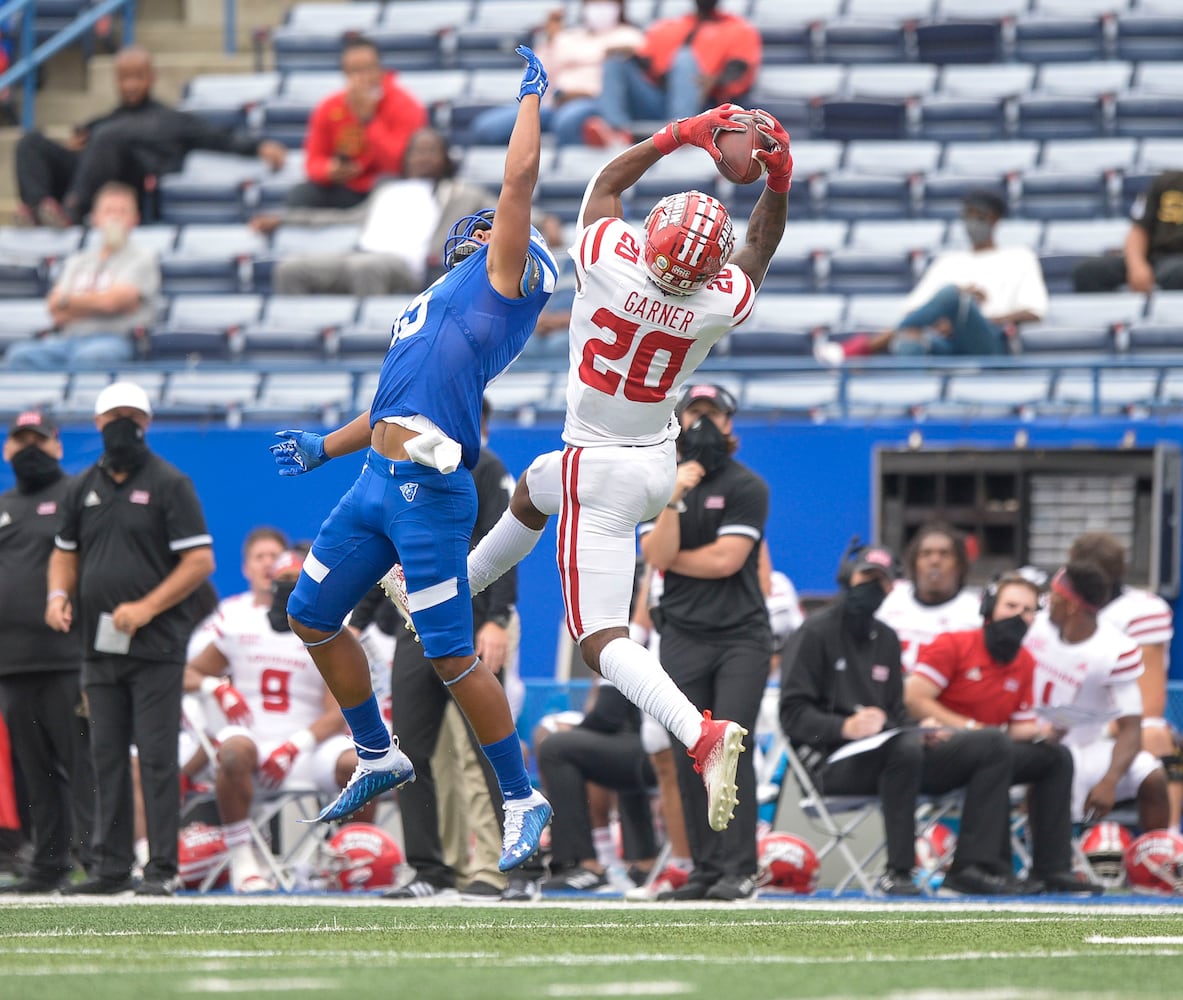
56,593
303,740
678,505
211,684
667,139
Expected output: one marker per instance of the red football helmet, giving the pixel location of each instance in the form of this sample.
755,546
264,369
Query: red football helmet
1105,848
688,239
934,848
787,862
199,848
1154,862
362,856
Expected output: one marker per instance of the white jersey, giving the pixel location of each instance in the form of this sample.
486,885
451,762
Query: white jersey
1144,617
918,624
633,347
1097,677
272,670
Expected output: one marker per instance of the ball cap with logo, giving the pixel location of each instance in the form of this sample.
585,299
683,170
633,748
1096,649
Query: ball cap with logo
874,558
36,421
713,393
119,394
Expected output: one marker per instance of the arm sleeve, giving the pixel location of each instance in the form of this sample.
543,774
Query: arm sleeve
937,661
804,691
747,511
184,520
66,537
1126,697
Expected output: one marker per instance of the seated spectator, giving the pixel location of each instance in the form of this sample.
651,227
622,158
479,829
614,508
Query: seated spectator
140,138
1153,253
967,302
403,226
359,135
102,296
605,749
841,682
1086,675
574,59
984,677
283,724
1148,620
934,598
684,65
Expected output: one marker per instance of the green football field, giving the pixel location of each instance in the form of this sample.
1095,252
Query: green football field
362,948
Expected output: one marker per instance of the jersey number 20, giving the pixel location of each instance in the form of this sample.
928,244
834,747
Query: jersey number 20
645,350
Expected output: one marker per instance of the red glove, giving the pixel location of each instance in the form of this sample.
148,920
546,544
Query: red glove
698,130
229,699
278,766
778,160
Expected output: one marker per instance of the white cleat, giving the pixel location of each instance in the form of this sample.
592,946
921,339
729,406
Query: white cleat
716,757
394,586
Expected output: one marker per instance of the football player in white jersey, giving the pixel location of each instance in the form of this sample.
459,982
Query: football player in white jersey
650,303
1086,673
283,724
934,598
1147,619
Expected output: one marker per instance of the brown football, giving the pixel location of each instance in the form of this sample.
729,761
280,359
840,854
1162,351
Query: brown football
738,164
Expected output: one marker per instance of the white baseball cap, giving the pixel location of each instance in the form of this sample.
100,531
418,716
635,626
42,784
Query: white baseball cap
119,394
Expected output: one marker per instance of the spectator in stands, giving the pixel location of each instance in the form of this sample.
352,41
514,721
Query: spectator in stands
359,135
1153,253
131,545
1147,619
141,138
684,65
40,695
841,682
967,302
283,725
984,677
1086,676
403,224
102,297
574,57
934,598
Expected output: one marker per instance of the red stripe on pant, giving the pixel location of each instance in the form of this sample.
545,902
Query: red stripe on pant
9,817
569,540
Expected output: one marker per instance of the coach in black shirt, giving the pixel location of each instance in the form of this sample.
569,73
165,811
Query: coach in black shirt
716,640
39,692
131,546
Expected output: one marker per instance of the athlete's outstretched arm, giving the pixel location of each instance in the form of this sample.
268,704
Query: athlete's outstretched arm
510,237
767,223
602,198
302,451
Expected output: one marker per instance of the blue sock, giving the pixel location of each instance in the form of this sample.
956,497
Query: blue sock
506,757
369,731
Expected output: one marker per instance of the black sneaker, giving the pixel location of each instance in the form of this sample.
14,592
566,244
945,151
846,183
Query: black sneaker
898,884
577,879
693,889
479,889
732,887
421,890
100,885
520,889
1062,883
155,887
34,884
973,880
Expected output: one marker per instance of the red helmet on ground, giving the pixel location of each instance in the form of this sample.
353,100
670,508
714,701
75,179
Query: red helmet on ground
1154,862
1105,847
200,847
934,848
362,856
787,862
688,239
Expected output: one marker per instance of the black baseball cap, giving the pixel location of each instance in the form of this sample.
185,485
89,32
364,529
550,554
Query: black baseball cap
877,558
36,421
714,393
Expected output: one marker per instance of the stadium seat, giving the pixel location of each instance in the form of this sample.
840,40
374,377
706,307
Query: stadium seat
790,31
1082,322
796,395
310,37
30,259
883,257
1101,392
790,92
22,318
30,390
419,34
844,118
201,393
968,166
877,80
872,31
203,326
489,36
1067,242
488,87
296,327
517,391
1063,30
285,117
1151,107
685,169
972,102
370,332
209,188
799,260
1077,179
1008,232
880,395
987,395
215,259
871,313
1071,100
161,240
289,397
1153,29
878,180
226,99
956,40
1161,330
783,325
271,192
435,88
299,241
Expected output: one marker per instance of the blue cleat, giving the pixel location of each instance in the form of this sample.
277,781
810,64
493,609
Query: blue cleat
370,779
525,819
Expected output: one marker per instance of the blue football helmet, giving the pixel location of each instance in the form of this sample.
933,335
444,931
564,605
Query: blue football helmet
460,243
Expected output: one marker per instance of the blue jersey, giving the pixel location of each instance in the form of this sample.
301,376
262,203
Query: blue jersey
455,338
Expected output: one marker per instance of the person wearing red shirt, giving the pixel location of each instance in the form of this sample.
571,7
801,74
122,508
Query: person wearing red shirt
984,678
357,136
685,65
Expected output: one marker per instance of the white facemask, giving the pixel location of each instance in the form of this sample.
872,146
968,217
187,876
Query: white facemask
599,15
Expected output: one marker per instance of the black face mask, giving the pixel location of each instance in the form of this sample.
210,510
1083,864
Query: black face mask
124,445
34,469
859,607
1004,638
704,443
277,614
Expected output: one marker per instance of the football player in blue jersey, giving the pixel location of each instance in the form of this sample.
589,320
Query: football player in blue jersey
414,501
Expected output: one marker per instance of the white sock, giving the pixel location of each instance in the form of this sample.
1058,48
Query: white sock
141,851
237,834
604,844
639,676
507,543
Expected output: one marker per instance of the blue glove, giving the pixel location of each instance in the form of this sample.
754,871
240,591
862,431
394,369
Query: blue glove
534,80
300,452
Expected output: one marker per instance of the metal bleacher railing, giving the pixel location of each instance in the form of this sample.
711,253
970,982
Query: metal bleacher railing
23,71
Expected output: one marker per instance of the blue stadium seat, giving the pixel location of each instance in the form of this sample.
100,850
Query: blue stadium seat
986,395
879,180
1107,392
967,166
1077,179
1082,322
843,118
227,98
417,34
296,327
310,37
490,35
271,192
161,240
886,395
30,258
1064,30
201,393
956,40
285,116
802,253
1151,107
883,257
30,390
971,102
299,241
22,318
791,92
1067,242
813,159
205,326
209,188
291,397
561,185
1162,327
488,87
515,391
807,395
370,332
683,170
214,259
790,31
1152,30
784,325
872,30
1072,100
